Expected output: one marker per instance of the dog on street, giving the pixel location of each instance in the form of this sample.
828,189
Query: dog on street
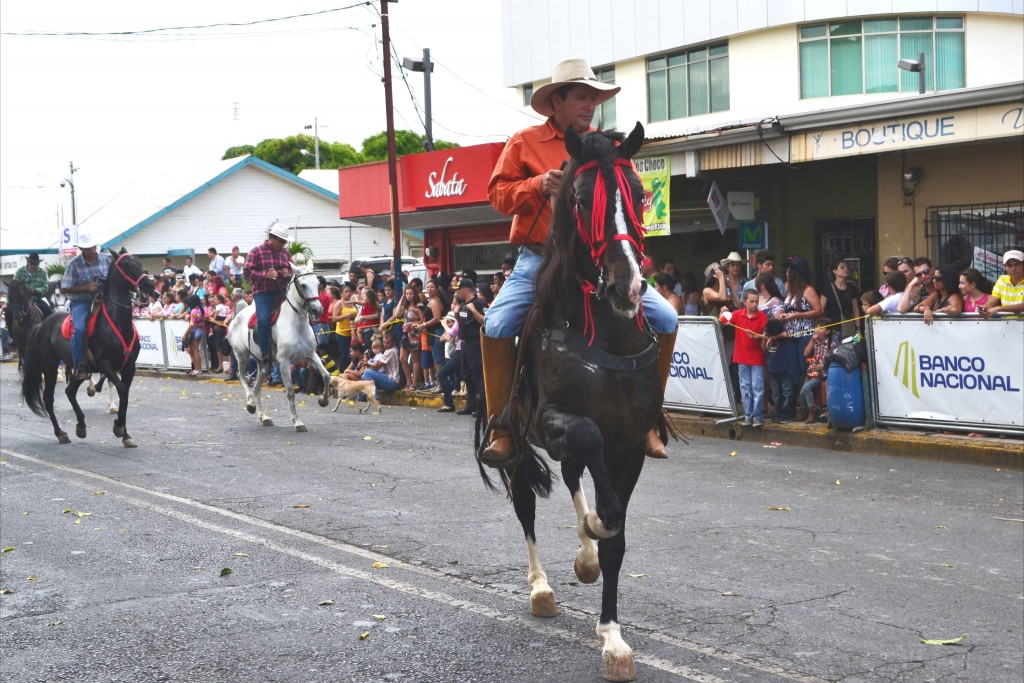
350,389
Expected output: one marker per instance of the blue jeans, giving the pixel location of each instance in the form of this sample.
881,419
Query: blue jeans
505,316
807,399
79,316
782,394
449,376
752,390
264,302
380,380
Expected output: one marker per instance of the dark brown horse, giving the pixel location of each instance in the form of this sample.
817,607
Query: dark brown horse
21,315
112,349
588,390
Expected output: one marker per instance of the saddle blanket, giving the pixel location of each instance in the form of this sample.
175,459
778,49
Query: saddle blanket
67,328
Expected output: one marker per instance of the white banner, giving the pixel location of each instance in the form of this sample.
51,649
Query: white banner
699,377
151,341
958,371
172,331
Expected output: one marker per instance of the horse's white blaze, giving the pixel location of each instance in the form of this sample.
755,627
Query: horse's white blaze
635,277
586,556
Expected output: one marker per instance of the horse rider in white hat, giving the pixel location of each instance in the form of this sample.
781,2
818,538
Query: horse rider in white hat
84,277
268,267
527,175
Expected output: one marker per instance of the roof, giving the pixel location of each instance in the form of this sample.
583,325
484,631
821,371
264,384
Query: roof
152,196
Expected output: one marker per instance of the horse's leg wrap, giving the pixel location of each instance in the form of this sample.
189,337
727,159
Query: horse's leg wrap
653,446
499,355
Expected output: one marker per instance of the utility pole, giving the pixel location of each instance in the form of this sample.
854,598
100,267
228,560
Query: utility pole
316,141
70,180
426,66
396,231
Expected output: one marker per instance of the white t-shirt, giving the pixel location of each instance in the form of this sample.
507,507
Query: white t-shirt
890,304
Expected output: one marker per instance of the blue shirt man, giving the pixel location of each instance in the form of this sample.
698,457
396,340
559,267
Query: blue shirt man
84,277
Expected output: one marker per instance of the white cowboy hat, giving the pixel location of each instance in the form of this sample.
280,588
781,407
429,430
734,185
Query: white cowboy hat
279,230
566,72
85,240
733,257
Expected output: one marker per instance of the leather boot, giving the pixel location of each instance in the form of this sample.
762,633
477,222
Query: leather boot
499,356
653,447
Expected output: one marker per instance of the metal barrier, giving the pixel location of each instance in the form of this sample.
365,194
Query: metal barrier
960,373
698,380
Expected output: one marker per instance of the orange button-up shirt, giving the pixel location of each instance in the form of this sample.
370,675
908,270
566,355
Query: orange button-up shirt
514,188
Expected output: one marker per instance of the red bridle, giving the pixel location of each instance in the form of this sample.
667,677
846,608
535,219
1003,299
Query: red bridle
594,237
117,264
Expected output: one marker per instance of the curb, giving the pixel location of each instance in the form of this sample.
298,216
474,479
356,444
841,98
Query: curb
990,452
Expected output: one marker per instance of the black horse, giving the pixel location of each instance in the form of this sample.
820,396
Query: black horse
22,314
111,349
587,389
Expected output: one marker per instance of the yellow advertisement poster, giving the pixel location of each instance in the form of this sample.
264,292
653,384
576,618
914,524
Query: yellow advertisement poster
655,173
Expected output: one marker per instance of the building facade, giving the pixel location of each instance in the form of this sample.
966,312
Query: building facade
806,117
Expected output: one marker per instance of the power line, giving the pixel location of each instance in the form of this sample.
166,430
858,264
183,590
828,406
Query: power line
97,34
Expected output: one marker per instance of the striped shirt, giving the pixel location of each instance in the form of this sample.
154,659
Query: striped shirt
1008,292
260,260
81,272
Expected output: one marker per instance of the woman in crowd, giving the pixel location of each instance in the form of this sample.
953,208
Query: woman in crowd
891,265
975,288
769,298
388,308
195,333
409,312
433,347
801,307
342,316
715,294
155,310
369,316
168,305
181,310
842,302
215,285
946,299
450,375
218,361
692,301
666,286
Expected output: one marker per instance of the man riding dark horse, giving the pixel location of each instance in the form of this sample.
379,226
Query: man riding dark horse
83,278
36,283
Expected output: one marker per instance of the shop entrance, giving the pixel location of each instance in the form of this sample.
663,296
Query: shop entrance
852,239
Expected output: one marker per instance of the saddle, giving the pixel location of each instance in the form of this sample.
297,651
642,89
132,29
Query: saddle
67,328
273,316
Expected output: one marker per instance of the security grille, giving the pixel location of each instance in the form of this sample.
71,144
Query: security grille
975,235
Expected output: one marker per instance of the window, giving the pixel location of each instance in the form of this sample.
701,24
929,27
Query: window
854,57
605,113
527,94
975,235
688,83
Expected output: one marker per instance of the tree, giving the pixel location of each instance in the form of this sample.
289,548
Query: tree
375,147
298,152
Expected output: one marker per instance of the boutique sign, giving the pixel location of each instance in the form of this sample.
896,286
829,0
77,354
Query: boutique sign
905,133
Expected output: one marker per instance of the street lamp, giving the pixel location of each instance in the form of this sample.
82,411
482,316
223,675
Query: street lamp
426,66
912,66
70,182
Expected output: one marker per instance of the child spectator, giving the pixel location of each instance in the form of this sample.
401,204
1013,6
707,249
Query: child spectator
820,343
748,356
974,290
896,282
780,366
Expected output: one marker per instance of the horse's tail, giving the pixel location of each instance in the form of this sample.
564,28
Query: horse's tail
32,377
538,474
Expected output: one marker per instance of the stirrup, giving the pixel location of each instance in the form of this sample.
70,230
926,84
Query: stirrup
482,454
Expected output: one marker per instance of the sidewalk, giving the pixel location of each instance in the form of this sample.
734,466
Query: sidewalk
992,452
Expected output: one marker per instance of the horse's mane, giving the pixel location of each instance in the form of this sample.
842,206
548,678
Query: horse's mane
566,260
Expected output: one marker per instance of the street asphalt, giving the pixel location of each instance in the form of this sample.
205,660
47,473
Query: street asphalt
367,549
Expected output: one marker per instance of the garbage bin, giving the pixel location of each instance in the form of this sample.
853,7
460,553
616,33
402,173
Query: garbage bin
845,397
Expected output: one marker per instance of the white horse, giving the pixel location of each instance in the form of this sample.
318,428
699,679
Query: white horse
292,340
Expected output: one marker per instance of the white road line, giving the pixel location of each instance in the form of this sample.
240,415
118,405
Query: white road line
436,596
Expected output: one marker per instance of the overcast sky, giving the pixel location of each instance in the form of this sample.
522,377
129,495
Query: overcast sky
126,104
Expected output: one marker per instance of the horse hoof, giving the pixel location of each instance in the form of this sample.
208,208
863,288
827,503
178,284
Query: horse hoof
323,401
251,409
619,667
267,422
595,528
91,392
118,431
587,573
542,604
129,442
63,438
80,431
301,428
